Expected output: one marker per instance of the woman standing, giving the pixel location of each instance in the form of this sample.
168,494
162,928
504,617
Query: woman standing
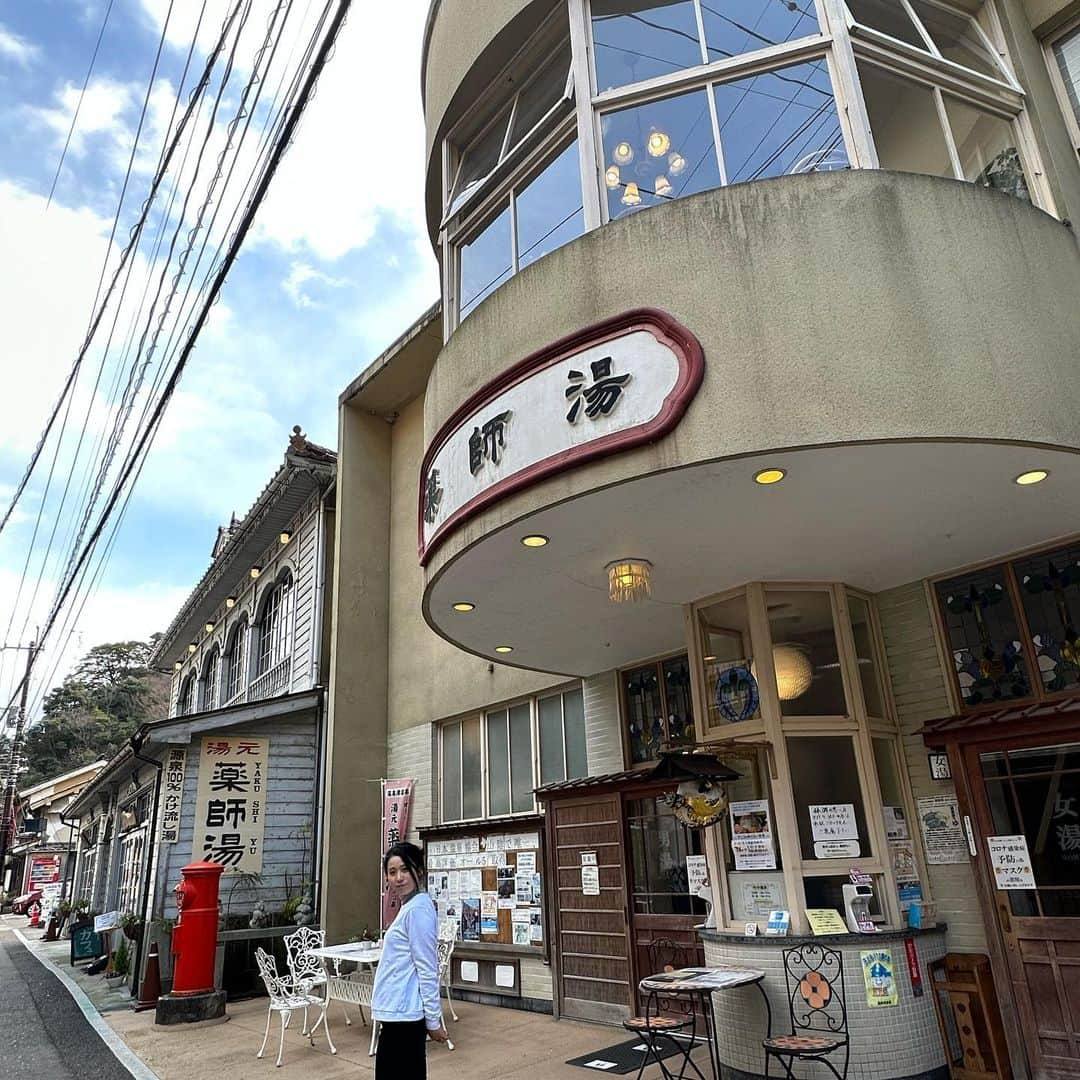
405,999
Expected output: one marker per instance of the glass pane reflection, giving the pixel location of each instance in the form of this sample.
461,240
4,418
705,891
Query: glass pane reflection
549,209
640,39
779,122
987,149
657,152
957,38
887,16
486,263
1050,593
734,27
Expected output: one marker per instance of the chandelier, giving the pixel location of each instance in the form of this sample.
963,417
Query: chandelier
629,579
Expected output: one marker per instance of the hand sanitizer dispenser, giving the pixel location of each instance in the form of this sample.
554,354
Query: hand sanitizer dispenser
857,909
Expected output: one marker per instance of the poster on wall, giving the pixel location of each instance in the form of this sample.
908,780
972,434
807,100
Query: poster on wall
396,805
942,829
1011,862
44,870
878,978
522,925
230,805
470,919
751,835
506,887
902,853
590,881
172,793
895,823
697,873
489,913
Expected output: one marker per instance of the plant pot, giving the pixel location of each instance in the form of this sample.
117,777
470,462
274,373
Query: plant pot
115,981
132,932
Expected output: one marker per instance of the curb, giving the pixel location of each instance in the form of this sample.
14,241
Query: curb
121,1051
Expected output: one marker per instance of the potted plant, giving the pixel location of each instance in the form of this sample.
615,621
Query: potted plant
121,964
131,924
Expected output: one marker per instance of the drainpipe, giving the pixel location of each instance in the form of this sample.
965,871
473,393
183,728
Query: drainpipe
320,788
137,741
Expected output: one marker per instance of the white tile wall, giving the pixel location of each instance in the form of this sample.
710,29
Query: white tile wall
408,753
603,735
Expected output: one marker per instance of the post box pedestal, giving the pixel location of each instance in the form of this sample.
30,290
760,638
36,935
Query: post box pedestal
190,1008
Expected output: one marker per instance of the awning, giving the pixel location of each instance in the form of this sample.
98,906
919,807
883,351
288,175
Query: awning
674,767
1016,719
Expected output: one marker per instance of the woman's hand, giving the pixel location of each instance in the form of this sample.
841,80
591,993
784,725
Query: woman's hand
438,1034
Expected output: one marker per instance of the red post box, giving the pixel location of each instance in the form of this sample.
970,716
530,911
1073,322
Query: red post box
194,938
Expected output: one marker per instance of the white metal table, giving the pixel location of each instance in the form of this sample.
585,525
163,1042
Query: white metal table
355,988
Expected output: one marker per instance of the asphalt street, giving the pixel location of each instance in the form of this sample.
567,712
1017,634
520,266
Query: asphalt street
42,1030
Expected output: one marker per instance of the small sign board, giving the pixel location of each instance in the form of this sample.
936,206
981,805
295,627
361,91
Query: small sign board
107,921
85,943
1011,862
826,921
836,849
778,923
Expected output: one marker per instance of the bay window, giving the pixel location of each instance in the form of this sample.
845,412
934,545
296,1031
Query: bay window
489,765
1063,55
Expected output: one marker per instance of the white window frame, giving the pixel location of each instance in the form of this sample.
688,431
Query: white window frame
534,756
132,846
1072,122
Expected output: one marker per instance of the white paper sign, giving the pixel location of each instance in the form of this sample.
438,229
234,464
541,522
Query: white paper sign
526,862
588,858
1011,862
895,823
833,821
751,835
470,971
504,975
590,881
836,849
697,873
942,829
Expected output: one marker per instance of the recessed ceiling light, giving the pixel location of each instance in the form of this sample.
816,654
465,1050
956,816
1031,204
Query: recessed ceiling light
504,648
464,606
769,476
535,540
1032,476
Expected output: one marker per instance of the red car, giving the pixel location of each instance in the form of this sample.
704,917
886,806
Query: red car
21,904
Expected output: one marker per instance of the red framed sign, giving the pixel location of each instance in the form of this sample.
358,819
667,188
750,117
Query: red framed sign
615,385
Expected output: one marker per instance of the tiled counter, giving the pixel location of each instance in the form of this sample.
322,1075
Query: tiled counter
887,1043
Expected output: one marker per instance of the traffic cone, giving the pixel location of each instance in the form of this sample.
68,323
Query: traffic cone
35,914
150,990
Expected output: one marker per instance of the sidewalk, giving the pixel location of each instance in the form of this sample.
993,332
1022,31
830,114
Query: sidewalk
490,1043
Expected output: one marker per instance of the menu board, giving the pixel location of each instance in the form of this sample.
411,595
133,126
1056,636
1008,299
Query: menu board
491,885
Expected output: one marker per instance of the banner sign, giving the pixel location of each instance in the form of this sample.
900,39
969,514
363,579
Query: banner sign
609,387
914,967
172,794
230,807
396,805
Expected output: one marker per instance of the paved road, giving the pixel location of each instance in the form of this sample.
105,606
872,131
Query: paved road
42,1030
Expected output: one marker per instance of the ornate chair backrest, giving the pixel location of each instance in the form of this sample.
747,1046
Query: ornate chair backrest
667,955
275,985
448,929
304,965
815,979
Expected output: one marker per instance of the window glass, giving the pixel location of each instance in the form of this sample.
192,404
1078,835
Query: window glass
957,38
471,780
498,760
574,720
549,209
186,700
805,656
552,766
479,158
986,145
680,709
905,123
521,764
984,638
862,632
1067,56
659,844
540,95
644,712
888,777
210,678
451,777
235,662
640,39
733,27
730,697
1050,593
659,151
888,16
486,262
779,122
824,774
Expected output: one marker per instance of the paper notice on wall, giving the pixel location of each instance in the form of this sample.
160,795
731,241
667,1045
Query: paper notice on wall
943,830
878,978
521,923
751,835
836,849
523,892
590,881
504,975
536,925
760,897
697,873
902,853
833,821
489,912
895,822
1011,862
475,883
526,862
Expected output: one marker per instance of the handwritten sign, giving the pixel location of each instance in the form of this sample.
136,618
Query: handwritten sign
172,794
230,807
833,821
1011,862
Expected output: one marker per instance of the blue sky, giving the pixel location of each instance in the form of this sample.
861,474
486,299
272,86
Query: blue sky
337,267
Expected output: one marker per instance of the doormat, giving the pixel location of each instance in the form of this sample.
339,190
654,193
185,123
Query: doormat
624,1057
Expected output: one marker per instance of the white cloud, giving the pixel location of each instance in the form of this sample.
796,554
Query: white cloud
301,274
16,48
101,114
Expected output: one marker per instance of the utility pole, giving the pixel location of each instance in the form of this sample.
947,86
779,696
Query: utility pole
10,789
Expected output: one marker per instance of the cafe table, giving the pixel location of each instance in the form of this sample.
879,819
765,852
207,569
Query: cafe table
703,982
356,987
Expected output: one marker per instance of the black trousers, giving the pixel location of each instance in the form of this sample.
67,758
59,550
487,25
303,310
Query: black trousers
402,1051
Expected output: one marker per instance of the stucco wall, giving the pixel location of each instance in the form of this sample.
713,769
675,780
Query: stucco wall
835,307
918,685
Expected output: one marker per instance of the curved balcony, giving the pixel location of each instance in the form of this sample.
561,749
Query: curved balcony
904,346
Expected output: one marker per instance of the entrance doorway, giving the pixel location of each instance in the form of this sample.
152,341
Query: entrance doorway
1030,788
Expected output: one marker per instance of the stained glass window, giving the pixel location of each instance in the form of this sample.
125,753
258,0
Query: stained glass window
1050,593
984,637
658,708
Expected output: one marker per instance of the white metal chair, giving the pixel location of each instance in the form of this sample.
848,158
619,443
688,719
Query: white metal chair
447,941
286,997
304,965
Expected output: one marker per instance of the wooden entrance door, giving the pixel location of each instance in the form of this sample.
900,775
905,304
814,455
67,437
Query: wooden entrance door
592,953
1021,788
661,908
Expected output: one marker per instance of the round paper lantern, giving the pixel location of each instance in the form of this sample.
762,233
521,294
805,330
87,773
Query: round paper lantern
794,672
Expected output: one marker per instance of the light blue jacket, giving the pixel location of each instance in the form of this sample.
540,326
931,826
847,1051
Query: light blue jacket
407,978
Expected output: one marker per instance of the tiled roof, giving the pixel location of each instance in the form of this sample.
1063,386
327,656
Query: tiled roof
1002,718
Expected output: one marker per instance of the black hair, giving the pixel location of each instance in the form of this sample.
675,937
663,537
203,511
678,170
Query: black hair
411,856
